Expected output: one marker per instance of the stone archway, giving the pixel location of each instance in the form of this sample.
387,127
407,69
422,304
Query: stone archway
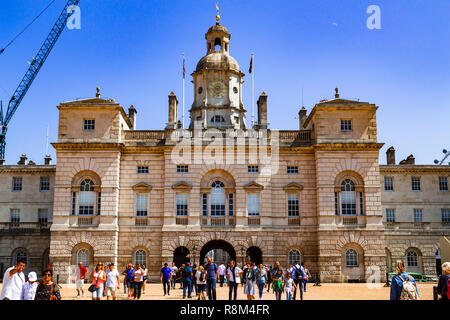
254,254
181,256
217,245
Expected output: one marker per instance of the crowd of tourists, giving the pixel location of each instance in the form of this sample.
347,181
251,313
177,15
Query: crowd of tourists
254,279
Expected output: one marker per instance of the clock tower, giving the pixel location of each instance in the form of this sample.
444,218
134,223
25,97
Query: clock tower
217,85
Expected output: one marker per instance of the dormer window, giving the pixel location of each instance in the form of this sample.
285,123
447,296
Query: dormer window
217,119
89,125
346,125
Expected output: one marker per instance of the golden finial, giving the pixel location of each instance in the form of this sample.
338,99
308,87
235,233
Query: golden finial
217,16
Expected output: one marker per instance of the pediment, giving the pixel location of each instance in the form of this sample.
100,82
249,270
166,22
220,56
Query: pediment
293,186
182,185
253,185
142,186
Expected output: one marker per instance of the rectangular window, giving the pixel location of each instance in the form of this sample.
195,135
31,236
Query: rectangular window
253,169
388,184
89,124
361,204
443,184
141,205
417,215
142,169
182,204
336,204
445,215
230,204
86,201
43,215
292,170
253,204
348,203
293,205
415,183
390,215
17,184
204,205
346,125
15,215
45,184
182,169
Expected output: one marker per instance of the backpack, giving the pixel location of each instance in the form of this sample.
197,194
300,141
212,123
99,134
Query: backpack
184,273
446,287
298,273
408,289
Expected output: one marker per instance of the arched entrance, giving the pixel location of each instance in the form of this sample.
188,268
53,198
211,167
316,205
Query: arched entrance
254,254
219,250
180,256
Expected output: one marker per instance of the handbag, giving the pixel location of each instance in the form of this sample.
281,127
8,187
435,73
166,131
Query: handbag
93,287
52,296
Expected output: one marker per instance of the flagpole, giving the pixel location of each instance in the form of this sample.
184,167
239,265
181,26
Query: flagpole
253,90
183,96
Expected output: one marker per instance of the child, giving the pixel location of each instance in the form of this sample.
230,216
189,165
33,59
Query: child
278,281
29,287
289,286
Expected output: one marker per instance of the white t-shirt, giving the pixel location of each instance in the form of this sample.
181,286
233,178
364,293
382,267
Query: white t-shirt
28,291
111,278
222,270
12,286
198,274
237,271
174,270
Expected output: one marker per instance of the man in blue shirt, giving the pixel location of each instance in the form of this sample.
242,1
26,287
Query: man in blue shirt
299,276
166,277
212,274
186,273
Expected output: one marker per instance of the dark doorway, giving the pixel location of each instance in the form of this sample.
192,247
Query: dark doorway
180,256
438,263
216,245
254,254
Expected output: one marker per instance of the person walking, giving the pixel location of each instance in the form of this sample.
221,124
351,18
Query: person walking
79,279
128,281
194,279
443,287
138,275
98,278
211,278
403,286
47,290
249,277
29,287
278,283
144,279
165,276
201,283
13,280
261,280
186,273
289,286
269,276
174,274
307,276
298,280
112,282
222,272
233,280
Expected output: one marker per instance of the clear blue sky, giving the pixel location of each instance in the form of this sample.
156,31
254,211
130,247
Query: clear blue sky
132,50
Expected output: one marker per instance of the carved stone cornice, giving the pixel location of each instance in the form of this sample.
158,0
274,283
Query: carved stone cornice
27,169
404,168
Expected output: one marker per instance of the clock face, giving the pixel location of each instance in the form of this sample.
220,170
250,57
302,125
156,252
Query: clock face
217,89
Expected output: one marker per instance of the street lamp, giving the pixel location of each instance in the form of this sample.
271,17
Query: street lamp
194,250
242,253
447,154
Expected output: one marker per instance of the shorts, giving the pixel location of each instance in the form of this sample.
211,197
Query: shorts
98,293
79,284
129,283
110,292
201,287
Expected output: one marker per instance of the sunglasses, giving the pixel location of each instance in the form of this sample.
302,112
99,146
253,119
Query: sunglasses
47,274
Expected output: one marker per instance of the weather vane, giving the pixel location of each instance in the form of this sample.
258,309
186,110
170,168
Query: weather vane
217,16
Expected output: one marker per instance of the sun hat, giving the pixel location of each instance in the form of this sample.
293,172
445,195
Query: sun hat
32,276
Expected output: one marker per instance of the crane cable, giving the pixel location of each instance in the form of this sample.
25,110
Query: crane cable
2,50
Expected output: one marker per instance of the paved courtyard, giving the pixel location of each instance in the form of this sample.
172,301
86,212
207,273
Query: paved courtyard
327,291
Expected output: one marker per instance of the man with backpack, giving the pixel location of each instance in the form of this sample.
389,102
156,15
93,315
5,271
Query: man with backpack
403,286
186,274
233,279
298,275
212,274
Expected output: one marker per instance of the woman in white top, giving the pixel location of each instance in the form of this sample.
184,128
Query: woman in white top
29,287
201,283
289,286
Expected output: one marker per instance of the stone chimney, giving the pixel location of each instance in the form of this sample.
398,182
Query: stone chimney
132,117
2,161
23,160
301,118
390,156
47,160
173,108
411,159
262,112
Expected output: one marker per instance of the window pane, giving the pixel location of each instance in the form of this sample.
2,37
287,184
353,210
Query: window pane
43,215
182,204
217,199
351,258
17,184
140,256
388,184
411,259
294,255
253,204
45,184
293,205
443,184
445,215
141,205
83,257
417,215
390,215
15,215
415,183
348,203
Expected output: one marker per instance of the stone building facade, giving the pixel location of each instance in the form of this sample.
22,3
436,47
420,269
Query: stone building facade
314,194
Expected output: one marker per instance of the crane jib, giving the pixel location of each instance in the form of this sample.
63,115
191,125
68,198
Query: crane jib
32,71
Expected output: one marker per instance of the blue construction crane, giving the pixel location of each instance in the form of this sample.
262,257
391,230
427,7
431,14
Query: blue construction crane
31,73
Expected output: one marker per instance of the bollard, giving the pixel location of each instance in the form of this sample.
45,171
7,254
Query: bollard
435,293
387,284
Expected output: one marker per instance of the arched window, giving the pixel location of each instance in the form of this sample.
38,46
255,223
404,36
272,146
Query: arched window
348,198
140,256
351,258
217,44
83,257
411,259
217,200
21,256
294,255
86,199
218,119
